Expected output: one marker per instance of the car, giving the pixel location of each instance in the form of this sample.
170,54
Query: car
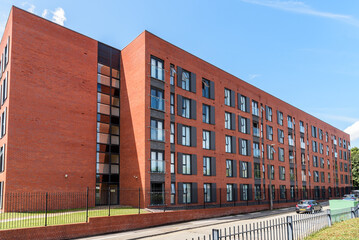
350,197
308,206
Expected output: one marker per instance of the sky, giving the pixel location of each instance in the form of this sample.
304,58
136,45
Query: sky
303,52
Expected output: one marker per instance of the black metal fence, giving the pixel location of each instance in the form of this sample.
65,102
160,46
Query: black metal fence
294,227
53,208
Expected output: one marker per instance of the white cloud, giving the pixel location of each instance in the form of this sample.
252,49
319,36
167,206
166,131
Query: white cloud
353,130
302,8
30,7
59,16
253,76
44,13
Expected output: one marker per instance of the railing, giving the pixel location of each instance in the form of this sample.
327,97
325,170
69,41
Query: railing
157,103
295,227
157,166
256,132
157,134
157,72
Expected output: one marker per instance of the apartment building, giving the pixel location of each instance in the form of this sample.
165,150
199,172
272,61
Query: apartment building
77,114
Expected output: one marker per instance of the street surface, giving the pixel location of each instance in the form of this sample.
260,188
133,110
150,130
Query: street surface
198,228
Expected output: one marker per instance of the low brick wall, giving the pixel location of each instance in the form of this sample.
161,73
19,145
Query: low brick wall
102,225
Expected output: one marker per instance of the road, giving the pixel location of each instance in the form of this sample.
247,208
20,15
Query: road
194,229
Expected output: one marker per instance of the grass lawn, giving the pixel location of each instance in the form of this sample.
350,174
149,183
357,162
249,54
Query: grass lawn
21,220
346,230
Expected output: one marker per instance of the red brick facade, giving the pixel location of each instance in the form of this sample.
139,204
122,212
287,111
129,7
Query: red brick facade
51,126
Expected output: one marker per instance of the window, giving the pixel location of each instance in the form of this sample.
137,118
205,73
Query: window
282,192
172,102
157,101
230,144
321,134
172,74
244,192
290,123
255,110
207,89
315,161
185,80
186,135
2,159
257,171
256,129
291,174
187,189
157,162
328,163
206,139
290,140
186,164
282,173
227,120
208,114
172,136
270,152
230,192
269,133
291,156
245,125
244,147
256,150
316,176
1,193
157,68
227,97
280,136
244,169
269,113
271,167
244,103
173,193
207,192
322,178
327,150
257,192
229,168
280,118
315,146
186,107
273,192
304,176
302,143
292,191
301,126
314,132
321,148
4,89
322,162
172,162
326,137
281,154
157,131
206,166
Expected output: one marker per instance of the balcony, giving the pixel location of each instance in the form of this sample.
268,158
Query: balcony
157,103
157,72
291,142
157,134
256,153
302,145
157,166
302,129
256,132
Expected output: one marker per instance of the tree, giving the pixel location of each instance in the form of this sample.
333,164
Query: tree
354,156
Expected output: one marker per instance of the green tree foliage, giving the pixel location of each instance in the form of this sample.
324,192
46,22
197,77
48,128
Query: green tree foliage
354,152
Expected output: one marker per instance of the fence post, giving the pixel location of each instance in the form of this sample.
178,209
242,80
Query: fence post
352,212
46,196
87,204
139,200
329,218
215,234
290,228
109,201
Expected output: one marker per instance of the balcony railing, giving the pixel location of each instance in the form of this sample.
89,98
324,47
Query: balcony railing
302,129
157,134
302,145
291,142
157,166
157,103
256,132
256,152
157,72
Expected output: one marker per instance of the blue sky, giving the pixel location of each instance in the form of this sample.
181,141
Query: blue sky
303,52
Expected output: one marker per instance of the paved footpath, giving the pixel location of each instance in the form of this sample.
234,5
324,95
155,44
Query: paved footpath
194,229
